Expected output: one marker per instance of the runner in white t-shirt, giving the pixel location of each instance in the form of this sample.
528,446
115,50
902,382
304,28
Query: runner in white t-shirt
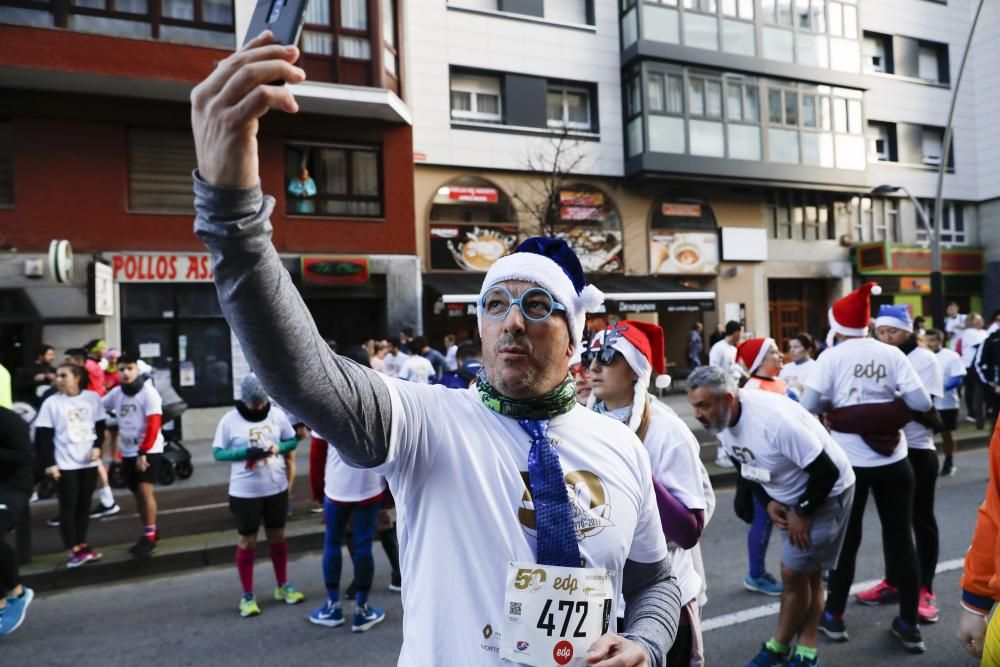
417,368
806,482
623,359
69,431
796,374
480,564
723,355
139,411
953,372
895,327
856,384
254,438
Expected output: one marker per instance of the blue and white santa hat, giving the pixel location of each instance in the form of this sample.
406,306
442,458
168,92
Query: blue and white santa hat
894,316
552,264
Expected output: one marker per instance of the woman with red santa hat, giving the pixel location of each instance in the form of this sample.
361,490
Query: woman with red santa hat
623,359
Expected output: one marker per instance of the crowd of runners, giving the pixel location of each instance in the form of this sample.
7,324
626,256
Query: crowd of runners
536,467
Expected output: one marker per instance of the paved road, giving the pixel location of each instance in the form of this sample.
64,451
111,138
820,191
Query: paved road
191,619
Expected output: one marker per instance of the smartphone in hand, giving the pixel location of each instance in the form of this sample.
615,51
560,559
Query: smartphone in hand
282,17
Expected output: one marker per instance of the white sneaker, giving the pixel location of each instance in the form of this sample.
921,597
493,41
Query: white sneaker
723,462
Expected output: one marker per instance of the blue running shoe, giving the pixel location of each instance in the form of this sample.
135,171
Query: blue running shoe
833,627
365,617
13,614
329,615
766,584
769,658
799,660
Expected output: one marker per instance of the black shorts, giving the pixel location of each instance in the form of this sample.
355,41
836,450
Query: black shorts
133,477
950,419
248,512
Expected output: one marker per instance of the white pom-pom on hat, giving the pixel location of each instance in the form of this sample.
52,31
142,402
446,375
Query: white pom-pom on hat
663,381
876,290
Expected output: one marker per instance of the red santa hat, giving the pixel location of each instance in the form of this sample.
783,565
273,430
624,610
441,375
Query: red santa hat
751,352
851,314
641,345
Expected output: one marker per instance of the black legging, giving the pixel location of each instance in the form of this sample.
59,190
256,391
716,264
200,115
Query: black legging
15,502
925,529
892,488
75,490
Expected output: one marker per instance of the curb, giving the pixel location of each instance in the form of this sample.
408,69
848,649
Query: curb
49,573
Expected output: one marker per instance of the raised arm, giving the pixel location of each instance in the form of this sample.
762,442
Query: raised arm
345,402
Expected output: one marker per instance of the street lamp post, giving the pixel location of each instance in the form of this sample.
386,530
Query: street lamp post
937,279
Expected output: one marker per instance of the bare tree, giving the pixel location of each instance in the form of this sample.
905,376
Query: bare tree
553,167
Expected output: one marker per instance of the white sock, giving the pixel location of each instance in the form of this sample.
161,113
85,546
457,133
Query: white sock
107,498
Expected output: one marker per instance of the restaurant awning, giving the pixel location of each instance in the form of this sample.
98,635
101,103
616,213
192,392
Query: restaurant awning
464,288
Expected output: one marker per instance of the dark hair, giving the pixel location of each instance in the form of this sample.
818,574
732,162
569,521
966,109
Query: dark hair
407,331
359,354
393,342
806,340
127,358
732,326
418,344
468,350
937,333
77,352
80,373
42,349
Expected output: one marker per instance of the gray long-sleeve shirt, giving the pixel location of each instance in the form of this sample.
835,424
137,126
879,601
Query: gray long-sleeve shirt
421,439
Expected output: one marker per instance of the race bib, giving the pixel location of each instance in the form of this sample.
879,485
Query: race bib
79,428
755,474
552,614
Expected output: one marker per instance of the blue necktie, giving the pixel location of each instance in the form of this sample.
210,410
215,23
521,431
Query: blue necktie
554,532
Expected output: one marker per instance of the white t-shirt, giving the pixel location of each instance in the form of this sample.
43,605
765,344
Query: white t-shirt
458,469
860,371
417,369
951,366
926,365
268,476
451,358
131,412
723,355
796,374
673,455
73,420
970,338
777,435
347,484
393,362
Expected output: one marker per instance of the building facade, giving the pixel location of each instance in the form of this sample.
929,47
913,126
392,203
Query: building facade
725,155
96,149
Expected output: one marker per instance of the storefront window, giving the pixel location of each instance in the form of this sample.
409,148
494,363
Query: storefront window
472,224
589,222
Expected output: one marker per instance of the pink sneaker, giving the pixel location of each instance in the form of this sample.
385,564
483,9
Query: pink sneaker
927,611
90,555
881,593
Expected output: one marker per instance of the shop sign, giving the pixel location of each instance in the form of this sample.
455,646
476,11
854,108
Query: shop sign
914,284
684,253
679,210
581,206
689,306
461,309
335,270
102,289
636,307
162,268
470,248
599,249
473,194
882,258
683,214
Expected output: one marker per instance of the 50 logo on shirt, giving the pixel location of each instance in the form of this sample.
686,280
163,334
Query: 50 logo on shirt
261,436
589,500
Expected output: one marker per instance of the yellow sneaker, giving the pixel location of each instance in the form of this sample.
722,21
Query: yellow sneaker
248,606
288,595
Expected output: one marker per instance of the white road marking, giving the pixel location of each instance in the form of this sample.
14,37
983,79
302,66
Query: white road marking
735,618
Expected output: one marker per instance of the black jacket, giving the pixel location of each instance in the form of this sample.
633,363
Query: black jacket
987,363
15,452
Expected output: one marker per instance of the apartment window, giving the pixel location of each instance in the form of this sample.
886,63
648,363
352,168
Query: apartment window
778,12
931,145
390,52
742,101
476,98
566,11
876,52
738,8
666,93
333,180
809,15
159,171
782,107
953,230
843,19
874,219
703,6
6,164
800,216
881,139
568,107
932,62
